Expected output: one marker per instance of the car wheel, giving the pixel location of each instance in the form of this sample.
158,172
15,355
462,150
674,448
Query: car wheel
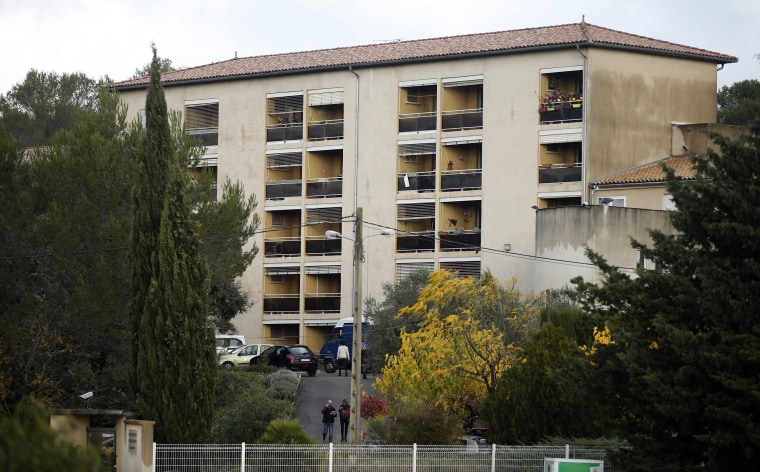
228,365
329,366
312,372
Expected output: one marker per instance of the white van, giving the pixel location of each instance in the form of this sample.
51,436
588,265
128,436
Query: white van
228,342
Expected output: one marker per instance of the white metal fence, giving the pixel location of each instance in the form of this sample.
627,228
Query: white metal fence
361,458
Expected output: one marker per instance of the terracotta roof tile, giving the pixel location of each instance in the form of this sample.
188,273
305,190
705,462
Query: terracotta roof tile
651,172
428,49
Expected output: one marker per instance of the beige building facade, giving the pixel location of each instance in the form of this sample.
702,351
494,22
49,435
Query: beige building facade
449,142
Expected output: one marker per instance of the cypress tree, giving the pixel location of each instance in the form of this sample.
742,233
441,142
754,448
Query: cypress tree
682,375
173,364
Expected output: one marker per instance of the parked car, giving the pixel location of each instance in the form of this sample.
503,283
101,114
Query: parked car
226,343
289,356
241,356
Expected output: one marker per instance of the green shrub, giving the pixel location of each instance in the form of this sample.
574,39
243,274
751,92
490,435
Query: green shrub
27,442
246,419
282,384
281,431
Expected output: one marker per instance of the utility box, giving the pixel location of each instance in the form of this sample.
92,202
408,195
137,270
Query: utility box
573,465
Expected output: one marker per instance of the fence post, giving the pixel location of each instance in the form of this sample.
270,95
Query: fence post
153,462
330,458
414,457
567,451
493,457
242,457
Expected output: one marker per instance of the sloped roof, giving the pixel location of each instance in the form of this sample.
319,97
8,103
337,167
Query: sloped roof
503,42
650,173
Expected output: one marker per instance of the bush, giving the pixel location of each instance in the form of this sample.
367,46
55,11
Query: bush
282,431
27,442
247,419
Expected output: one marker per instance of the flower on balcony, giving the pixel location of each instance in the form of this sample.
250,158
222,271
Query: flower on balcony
556,100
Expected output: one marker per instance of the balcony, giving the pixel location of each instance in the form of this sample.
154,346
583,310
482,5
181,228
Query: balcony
423,241
417,122
459,240
284,132
559,173
416,181
321,246
458,120
322,302
279,189
324,187
324,130
561,111
281,303
461,180
279,247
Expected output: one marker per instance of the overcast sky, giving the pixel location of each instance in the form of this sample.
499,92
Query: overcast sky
113,37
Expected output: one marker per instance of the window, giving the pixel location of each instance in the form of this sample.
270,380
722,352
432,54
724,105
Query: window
277,219
276,279
612,201
202,121
642,262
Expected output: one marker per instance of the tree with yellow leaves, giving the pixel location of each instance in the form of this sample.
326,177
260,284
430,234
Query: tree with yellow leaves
471,332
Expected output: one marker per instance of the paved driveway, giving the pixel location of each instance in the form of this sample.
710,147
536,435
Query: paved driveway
313,393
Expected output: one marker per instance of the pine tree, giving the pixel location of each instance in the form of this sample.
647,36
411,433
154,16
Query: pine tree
686,337
173,365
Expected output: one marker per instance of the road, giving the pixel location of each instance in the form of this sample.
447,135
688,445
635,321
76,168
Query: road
313,393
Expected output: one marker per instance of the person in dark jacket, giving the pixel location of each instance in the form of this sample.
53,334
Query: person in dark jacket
344,412
328,420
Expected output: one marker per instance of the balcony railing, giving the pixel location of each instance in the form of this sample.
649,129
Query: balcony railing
320,246
322,302
207,136
327,129
277,189
561,112
281,303
423,241
289,246
411,122
285,132
416,181
461,180
454,120
324,187
549,174
459,240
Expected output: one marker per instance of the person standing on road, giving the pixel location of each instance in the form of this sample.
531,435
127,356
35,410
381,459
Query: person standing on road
343,357
344,411
328,420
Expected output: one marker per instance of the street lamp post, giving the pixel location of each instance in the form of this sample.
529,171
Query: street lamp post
356,300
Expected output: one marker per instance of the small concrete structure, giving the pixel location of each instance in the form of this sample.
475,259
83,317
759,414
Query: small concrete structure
132,437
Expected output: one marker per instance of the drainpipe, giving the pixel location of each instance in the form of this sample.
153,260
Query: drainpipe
584,167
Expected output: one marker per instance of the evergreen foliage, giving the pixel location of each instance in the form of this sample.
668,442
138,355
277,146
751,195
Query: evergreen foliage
680,374
538,398
28,443
173,359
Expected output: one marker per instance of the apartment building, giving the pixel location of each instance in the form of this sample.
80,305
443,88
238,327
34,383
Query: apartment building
451,142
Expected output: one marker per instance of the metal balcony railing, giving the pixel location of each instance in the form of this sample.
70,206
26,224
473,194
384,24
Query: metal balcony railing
459,240
411,122
461,179
327,129
277,189
277,247
556,173
454,120
416,181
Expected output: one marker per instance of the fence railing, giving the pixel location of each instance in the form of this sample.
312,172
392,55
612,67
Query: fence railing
362,458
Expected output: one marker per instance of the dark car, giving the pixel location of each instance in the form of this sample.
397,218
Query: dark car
289,356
